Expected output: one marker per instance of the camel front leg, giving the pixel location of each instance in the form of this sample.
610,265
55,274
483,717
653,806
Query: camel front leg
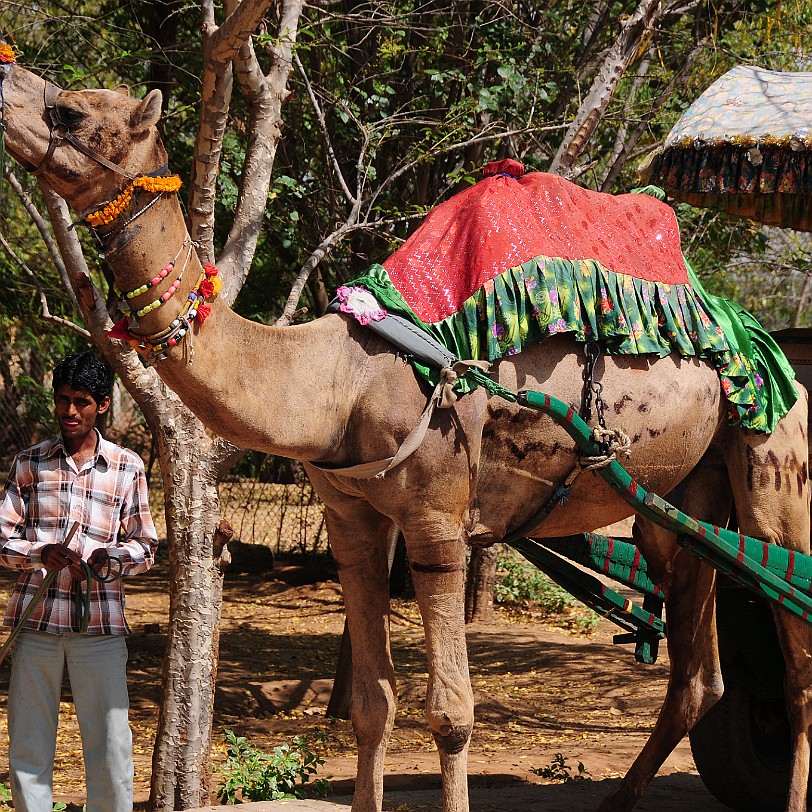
359,546
438,573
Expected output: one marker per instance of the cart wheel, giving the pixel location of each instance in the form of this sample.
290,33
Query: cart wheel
742,749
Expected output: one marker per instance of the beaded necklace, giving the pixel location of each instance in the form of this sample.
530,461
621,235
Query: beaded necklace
155,346
124,304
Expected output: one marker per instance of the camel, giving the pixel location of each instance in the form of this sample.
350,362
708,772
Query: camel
332,394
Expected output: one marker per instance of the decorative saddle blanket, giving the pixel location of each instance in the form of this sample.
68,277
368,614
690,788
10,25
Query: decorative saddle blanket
518,257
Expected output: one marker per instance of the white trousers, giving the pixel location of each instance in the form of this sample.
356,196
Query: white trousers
97,670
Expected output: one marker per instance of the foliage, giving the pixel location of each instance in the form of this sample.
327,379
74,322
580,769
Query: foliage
415,98
6,805
249,774
559,770
521,585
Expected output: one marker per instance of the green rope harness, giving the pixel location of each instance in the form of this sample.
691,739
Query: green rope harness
782,576
742,557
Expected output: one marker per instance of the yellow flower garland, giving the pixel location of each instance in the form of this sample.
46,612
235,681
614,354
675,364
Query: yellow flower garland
108,213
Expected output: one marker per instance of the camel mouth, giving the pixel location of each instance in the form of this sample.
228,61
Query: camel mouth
18,89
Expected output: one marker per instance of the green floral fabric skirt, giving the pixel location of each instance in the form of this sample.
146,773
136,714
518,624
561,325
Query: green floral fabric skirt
627,315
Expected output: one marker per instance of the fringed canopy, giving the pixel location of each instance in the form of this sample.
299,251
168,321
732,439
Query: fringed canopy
744,147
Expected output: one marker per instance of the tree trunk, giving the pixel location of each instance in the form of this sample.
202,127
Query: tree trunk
480,584
801,306
181,764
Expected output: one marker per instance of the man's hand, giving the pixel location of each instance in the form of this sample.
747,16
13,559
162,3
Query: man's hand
56,557
99,560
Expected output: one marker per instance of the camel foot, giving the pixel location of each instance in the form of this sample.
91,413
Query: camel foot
622,799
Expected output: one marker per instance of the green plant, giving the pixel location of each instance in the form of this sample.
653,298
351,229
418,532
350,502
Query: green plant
5,802
520,584
249,774
559,770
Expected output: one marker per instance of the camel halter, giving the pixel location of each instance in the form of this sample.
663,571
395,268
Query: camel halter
60,132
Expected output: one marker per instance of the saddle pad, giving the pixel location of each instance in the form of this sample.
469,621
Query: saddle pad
510,217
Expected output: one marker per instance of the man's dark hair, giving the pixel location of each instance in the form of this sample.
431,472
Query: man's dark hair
85,371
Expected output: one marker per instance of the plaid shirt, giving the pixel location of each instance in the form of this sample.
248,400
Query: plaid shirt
45,495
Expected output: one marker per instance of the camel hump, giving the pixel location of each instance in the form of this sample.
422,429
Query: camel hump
511,217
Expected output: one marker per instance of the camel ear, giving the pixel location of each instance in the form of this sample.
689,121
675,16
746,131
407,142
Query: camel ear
124,90
148,112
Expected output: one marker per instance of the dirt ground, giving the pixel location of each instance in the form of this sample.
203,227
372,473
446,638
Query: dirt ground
540,691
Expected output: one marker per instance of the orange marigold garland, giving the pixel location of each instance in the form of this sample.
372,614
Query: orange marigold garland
7,56
108,213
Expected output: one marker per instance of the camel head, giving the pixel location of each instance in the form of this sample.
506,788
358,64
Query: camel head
111,125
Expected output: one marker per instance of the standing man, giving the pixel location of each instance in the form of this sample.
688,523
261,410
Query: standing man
76,477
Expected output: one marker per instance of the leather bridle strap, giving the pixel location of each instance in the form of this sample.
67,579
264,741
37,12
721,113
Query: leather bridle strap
60,132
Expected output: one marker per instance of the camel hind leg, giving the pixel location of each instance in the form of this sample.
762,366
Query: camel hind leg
769,474
695,677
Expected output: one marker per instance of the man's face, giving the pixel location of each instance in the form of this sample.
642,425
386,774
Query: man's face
76,412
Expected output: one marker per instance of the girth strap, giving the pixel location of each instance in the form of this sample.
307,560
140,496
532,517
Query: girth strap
443,397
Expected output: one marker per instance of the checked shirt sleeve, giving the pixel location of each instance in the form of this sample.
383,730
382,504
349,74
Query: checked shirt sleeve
16,551
138,542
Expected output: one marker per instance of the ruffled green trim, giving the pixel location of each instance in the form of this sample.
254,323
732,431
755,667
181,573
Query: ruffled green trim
629,316
777,393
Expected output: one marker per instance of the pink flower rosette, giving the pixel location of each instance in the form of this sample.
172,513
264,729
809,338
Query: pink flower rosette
359,303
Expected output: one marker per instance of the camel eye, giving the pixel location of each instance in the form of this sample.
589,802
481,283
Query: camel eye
70,116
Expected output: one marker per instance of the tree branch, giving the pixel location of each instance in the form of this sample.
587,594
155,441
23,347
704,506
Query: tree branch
325,132
636,30
45,233
43,299
624,151
215,99
242,20
266,97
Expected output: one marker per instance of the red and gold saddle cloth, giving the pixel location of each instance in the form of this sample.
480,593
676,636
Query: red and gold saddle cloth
519,257
510,217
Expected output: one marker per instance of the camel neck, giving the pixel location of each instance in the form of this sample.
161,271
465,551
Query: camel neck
244,380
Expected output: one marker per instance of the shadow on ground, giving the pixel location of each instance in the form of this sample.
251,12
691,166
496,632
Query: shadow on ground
679,792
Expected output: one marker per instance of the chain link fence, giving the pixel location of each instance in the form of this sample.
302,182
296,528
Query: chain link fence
287,517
